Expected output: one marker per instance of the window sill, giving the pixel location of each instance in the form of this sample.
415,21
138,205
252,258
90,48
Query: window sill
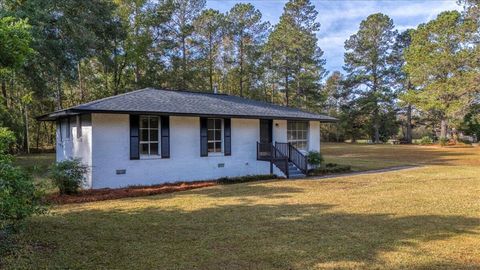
150,157
216,154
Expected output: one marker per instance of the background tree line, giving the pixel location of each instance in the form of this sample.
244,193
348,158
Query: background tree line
424,79
58,53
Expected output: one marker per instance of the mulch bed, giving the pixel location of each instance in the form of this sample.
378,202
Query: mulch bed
93,195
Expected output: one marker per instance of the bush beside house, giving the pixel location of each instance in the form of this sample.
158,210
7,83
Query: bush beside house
329,168
19,197
68,175
314,159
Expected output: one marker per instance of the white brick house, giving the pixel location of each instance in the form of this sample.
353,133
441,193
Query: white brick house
155,136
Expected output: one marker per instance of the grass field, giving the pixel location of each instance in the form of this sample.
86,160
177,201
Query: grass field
422,218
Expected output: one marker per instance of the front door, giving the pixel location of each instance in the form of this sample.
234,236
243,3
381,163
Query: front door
266,126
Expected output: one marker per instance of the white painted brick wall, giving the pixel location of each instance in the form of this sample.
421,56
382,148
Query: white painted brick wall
105,146
111,143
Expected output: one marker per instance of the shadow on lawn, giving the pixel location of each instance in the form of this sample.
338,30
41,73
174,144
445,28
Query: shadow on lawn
291,236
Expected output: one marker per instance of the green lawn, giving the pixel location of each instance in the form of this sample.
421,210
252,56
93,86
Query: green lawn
422,218
37,165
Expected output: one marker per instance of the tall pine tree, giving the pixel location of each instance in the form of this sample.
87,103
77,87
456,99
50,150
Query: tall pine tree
247,33
442,65
369,69
295,55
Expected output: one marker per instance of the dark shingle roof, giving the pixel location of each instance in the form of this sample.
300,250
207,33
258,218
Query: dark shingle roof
170,102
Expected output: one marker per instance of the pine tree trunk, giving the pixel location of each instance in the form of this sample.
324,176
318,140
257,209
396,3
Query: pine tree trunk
377,133
26,136
38,130
376,124
59,91
184,62
443,128
286,89
210,45
80,83
376,127
273,93
409,123
241,67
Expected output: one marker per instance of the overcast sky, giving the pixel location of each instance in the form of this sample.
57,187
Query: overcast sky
340,18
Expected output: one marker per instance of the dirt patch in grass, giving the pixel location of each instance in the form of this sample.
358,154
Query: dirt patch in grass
93,195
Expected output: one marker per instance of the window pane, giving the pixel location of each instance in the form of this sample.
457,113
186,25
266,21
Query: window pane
153,122
210,135
154,149
218,123
210,124
218,147
144,148
297,134
144,122
211,147
144,135
218,134
154,135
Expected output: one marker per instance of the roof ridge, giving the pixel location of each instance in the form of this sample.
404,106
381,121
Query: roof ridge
191,91
275,105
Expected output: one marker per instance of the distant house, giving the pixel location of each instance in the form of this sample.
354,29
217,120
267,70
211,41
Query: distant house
152,136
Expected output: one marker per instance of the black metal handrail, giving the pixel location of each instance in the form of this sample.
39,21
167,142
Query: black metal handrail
294,155
268,152
284,148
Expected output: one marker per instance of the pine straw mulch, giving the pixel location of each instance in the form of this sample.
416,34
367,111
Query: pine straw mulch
93,195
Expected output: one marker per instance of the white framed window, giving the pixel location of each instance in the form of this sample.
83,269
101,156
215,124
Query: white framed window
149,136
215,135
297,134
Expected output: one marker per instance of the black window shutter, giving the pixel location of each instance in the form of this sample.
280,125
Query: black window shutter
203,137
134,137
165,140
227,133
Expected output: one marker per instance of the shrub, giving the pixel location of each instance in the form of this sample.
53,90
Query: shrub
244,179
443,141
19,198
426,140
68,175
330,168
7,140
314,158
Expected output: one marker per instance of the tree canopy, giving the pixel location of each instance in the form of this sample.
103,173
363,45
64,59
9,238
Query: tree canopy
56,54
441,64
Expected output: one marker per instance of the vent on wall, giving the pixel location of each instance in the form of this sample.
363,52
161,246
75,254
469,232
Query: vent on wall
122,171
221,165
